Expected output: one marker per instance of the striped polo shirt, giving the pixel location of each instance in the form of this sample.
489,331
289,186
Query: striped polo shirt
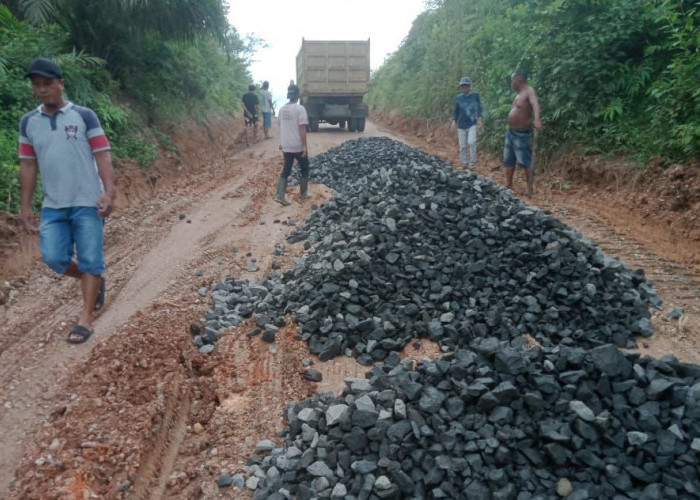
63,145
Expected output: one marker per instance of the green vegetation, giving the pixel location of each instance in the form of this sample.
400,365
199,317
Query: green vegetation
144,66
618,76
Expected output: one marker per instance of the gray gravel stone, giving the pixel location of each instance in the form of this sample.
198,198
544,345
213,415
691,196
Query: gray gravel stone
364,466
265,445
313,375
339,492
320,469
224,481
582,411
337,414
675,313
636,438
252,483
365,403
308,415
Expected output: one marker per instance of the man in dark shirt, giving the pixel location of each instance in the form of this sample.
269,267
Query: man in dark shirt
250,112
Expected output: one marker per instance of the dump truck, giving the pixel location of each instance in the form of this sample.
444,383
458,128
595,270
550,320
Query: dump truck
333,77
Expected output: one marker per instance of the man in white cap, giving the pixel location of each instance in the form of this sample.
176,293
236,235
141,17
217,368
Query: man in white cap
468,117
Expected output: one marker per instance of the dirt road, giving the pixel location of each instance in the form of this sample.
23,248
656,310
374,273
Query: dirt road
137,412
230,221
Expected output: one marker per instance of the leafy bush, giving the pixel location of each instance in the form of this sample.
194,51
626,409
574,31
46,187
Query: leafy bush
178,81
9,171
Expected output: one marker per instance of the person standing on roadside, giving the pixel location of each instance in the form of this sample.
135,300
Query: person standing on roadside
293,121
524,114
468,117
250,112
66,144
266,107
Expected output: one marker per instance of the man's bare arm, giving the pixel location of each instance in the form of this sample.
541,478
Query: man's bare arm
532,97
27,185
104,168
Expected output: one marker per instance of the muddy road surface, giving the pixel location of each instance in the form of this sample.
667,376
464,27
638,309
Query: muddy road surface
216,222
138,412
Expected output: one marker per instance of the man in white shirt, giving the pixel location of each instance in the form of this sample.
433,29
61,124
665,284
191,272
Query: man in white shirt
266,98
293,121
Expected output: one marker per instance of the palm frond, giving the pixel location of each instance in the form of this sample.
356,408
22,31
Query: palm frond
8,21
41,11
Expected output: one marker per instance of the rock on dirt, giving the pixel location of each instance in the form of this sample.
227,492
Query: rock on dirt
472,425
408,248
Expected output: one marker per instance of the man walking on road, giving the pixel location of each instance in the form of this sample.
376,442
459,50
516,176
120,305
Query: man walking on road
467,116
266,107
524,114
250,112
293,121
68,147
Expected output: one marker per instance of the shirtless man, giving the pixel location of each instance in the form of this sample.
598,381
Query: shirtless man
524,114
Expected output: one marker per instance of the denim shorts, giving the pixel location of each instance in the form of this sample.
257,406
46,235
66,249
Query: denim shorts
64,231
267,120
517,149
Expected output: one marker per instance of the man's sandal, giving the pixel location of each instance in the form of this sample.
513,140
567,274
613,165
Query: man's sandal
100,300
83,333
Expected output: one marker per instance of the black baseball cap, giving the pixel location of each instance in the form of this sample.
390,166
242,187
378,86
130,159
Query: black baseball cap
44,67
292,91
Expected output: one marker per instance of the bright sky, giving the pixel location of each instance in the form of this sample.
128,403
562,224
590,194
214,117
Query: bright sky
283,23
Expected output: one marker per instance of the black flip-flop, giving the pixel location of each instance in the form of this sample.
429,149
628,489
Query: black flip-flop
80,330
100,300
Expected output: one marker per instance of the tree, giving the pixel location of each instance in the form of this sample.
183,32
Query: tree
114,29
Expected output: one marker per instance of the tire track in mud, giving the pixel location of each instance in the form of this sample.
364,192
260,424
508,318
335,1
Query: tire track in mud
251,381
156,464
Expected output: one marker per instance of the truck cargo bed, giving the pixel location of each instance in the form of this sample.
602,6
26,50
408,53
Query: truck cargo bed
326,68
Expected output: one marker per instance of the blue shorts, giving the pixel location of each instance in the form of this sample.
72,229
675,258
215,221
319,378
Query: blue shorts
65,230
267,120
517,149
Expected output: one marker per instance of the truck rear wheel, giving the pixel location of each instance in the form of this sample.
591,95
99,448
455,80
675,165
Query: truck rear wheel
361,124
341,124
352,125
313,124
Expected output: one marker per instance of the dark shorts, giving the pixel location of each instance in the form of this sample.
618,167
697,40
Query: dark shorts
250,118
517,149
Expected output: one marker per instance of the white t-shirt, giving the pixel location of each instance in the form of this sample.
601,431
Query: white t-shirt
266,100
291,115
